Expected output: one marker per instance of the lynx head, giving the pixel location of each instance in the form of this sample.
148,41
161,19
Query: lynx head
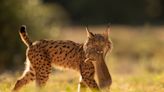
97,44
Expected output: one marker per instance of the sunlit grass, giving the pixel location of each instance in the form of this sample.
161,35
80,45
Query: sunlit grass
140,80
138,83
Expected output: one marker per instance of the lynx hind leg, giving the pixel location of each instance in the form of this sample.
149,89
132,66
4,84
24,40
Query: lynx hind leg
27,76
42,76
42,71
87,73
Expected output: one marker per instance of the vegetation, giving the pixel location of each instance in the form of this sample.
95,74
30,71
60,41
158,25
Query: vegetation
144,82
132,12
41,19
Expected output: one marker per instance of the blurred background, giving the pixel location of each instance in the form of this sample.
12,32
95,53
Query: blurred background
137,33
136,27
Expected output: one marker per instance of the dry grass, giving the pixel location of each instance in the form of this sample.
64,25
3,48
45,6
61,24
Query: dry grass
67,82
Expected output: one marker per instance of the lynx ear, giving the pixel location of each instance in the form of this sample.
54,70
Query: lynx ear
89,34
106,33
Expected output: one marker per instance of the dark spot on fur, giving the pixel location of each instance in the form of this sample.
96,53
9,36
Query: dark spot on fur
56,46
63,58
68,47
32,74
50,47
73,55
52,43
70,57
48,64
64,46
56,52
60,51
71,50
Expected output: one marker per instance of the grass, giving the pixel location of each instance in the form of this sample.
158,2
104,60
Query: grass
137,80
136,62
138,83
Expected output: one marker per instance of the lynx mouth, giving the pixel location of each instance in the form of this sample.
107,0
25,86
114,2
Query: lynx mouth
94,55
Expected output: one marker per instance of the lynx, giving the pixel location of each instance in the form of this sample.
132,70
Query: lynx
41,55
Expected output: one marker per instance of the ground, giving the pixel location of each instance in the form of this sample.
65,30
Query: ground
135,80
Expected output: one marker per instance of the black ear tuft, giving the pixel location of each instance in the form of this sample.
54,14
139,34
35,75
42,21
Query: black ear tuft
23,29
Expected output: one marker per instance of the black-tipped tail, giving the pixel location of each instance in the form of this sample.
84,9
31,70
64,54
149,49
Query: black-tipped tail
23,29
24,36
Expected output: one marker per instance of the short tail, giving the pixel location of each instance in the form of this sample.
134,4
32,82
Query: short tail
24,36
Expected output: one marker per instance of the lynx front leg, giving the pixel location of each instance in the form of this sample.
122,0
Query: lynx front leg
87,72
81,86
26,78
91,83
